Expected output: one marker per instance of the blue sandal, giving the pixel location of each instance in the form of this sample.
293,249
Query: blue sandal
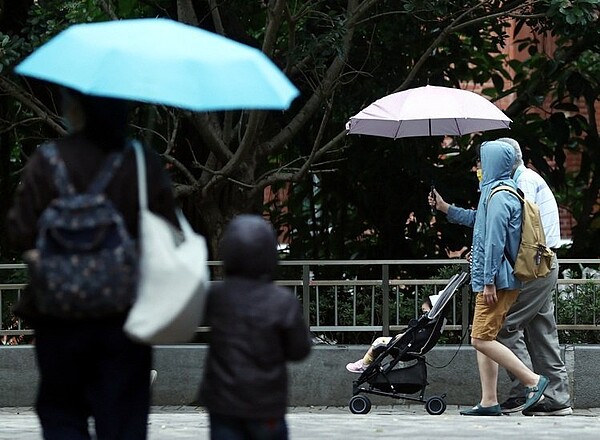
479,410
538,392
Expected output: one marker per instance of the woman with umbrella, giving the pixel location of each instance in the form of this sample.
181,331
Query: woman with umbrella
89,367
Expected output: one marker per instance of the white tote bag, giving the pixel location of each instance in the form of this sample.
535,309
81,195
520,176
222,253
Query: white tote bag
173,275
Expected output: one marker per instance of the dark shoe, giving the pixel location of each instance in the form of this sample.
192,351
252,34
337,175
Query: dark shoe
513,405
536,393
479,410
547,408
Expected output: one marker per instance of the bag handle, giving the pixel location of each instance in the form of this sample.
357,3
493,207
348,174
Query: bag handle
141,173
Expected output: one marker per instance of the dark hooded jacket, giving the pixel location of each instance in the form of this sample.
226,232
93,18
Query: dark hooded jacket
256,326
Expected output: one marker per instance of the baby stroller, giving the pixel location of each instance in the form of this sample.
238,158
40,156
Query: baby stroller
383,377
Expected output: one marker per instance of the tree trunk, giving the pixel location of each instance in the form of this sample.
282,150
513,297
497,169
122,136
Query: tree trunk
215,211
186,13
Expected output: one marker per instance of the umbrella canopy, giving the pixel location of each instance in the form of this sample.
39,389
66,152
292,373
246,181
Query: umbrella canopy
163,62
428,111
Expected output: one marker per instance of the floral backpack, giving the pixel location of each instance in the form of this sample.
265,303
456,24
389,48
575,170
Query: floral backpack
84,264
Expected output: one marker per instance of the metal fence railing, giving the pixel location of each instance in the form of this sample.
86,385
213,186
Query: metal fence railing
369,295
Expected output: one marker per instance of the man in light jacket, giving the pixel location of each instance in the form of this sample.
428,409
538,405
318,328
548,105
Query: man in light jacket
530,328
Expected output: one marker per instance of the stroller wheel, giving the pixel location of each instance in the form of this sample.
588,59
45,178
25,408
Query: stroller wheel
435,405
360,405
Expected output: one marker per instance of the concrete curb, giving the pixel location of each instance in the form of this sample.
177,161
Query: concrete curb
320,380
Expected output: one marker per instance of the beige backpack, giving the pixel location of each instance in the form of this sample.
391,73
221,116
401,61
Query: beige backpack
534,258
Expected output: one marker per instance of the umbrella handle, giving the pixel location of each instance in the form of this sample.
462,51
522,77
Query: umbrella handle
433,210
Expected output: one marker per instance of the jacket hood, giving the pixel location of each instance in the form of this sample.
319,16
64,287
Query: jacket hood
249,248
497,160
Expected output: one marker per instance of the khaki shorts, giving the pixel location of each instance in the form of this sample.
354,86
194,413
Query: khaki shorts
488,319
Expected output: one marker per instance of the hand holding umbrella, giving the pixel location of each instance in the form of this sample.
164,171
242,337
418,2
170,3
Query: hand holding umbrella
437,202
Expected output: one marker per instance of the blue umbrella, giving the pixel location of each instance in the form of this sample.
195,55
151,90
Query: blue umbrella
163,62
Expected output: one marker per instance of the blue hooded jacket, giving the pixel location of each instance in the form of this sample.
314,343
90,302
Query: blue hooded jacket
496,223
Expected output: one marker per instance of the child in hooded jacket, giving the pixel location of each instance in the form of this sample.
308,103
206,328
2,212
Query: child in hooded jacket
256,327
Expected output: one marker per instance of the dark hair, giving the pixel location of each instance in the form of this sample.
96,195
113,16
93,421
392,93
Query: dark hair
105,118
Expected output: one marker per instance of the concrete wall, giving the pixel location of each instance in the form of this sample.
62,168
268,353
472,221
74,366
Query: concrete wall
320,380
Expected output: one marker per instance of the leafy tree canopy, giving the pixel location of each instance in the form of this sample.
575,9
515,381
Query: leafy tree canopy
348,196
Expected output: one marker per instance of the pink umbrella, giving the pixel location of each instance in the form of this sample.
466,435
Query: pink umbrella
428,111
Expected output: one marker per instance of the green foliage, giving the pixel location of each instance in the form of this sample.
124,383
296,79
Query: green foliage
574,12
579,304
11,49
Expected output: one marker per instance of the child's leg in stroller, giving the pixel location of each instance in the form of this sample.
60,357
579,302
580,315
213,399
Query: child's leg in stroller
361,365
371,354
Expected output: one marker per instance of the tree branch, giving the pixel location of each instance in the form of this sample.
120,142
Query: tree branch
216,16
441,37
327,84
211,135
186,13
180,167
507,12
254,122
33,104
106,6
274,17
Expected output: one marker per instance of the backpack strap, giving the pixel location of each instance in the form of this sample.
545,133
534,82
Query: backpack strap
60,174
104,176
517,192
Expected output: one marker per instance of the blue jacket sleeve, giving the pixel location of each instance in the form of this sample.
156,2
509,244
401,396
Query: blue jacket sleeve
461,216
496,229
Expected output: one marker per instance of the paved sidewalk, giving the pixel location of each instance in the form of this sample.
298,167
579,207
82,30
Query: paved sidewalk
383,422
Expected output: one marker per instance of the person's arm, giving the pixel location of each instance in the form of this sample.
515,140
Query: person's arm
455,214
528,186
489,294
31,197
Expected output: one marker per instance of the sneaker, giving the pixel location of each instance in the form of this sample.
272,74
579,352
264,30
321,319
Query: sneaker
547,408
512,405
356,367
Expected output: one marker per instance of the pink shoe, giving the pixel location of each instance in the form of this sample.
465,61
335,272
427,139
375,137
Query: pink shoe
356,367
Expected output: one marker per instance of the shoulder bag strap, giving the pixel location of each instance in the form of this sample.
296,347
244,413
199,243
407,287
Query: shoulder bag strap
141,173
143,190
